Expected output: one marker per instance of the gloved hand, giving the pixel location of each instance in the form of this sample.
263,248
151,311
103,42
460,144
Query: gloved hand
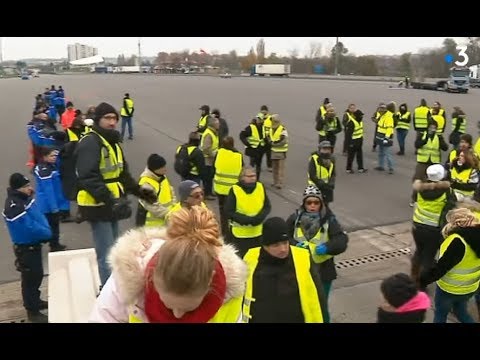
385,142
303,244
147,194
321,249
121,209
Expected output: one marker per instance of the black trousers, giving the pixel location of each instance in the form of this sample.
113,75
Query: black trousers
256,162
427,243
208,179
54,222
223,216
242,244
355,150
268,152
28,260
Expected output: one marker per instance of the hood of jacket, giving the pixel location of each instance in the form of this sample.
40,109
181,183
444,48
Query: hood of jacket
130,255
431,190
149,173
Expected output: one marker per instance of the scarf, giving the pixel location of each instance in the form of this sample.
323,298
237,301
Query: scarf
310,223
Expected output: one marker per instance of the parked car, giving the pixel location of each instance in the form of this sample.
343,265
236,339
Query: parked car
226,75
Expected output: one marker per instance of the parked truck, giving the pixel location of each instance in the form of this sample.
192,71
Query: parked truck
475,76
458,81
270,70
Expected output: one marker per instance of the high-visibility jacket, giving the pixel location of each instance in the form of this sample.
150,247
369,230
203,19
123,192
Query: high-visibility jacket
322,172
329,126
421,118
275,136
178,206
71,135
228,166
190,149
358,127
440,120
255,140
202,123
464,277
462,178
429,151
385,126
311,308
463,125
267,123
129,103
164,197
214,137
321,237
452,155
428,212
402,121
250,205
111,166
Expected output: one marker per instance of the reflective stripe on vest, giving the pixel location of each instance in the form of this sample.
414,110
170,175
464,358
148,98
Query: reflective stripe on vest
358,127
429,151
275,136
311,308
329,126
228,166
254,140
322,172
421,118
190,149
440,120
402,124
461,177
71,136
464,277
428,211
320,237
164,197
249,205
463,126
111,166
214,137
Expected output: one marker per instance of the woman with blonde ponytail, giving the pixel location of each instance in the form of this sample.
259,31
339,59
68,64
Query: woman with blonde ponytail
181,274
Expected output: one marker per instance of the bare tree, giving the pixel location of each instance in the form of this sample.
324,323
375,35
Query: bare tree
261,50
315,50
293,53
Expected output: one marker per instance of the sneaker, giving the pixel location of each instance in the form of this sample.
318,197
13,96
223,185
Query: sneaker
350,171
362,171
37,317
390,171
378,168
411,204
400,153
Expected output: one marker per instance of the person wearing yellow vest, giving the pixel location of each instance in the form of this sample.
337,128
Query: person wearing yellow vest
209,145
180,274
190,194
127,115
384,136
457,271
354,138
403,125
322,110
439,120
104,180
434,199
464,174
267,124
228,166
154,178
278,140
459,125
322,171
429,147
329,126
196,160
314,227
421,114
253,137
465,144
283,285
437,109
202,122
247,206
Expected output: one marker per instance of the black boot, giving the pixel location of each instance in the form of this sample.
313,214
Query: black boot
37,317
43,305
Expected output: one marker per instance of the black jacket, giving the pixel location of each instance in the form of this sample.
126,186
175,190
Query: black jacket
231,206
276,292
87,163
453,255
246,133
337,239
420,142
411,317
222,130
350,127
325,188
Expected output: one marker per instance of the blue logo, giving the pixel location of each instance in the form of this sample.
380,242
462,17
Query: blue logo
449,58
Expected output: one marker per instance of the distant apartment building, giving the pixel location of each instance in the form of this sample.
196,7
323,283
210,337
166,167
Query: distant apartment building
81,51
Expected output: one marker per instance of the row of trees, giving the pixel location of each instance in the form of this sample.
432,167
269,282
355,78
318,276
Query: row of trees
427,63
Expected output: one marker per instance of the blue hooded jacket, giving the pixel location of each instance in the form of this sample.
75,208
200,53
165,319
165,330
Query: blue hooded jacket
50,197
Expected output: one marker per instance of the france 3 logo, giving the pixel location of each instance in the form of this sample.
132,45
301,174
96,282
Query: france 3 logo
461,53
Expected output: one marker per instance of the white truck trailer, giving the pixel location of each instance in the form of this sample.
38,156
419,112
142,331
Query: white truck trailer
270,70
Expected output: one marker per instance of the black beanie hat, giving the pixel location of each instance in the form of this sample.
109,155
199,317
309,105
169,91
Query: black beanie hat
274,231
103,109
398,289
155,162
18,181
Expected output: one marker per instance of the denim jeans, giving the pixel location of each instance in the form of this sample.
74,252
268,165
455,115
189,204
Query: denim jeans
401,135
105,234
444,302
385,152
127,120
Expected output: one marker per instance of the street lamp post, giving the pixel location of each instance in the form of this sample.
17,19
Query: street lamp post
336,57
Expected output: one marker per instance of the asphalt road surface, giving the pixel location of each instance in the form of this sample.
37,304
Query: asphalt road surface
166,109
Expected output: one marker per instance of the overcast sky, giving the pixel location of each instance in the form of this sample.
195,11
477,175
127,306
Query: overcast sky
15,48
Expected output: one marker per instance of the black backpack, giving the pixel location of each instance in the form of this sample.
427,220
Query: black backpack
182,162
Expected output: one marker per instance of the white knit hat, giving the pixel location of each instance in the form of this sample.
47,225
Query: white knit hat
436,172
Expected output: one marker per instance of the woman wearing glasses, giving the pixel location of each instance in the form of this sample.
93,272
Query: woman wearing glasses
314,227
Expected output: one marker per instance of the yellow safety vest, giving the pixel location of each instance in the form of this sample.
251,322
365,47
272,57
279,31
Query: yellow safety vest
178,206
249,205
267,123
402,123
311,308
428,212
464,277
440,120
323,111
441,112
330,125
385,125
321,237
214,137
229,312
228,166
462,178
164,197
71,136
452,155
463,125
429,151
421,118
129,103
111,166
254,140
322,172
194,169
202,123
358,127
476,148
87,130
275,136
